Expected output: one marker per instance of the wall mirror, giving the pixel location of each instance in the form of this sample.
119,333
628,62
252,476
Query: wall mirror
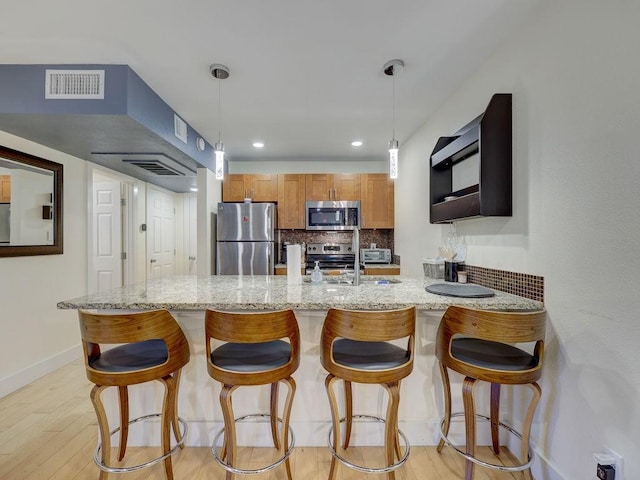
30,205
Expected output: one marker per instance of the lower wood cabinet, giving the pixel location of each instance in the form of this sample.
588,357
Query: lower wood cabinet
283,271
382,271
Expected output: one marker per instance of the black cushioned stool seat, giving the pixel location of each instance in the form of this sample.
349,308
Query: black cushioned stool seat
251,357
132,356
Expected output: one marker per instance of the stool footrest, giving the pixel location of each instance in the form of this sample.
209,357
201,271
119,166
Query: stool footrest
244,471
361,468
133,468
495,466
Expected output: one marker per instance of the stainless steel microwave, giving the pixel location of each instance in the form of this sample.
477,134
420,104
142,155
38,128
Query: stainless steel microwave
332,215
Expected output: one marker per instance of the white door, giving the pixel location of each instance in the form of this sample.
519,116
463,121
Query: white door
191,233
161,233
107,237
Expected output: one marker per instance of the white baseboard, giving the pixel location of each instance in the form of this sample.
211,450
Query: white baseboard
27,375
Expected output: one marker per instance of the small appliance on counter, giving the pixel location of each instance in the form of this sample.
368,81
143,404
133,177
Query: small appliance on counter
375,255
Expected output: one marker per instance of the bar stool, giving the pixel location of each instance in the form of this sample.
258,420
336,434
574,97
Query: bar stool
478,345
255,353
355,348
152,347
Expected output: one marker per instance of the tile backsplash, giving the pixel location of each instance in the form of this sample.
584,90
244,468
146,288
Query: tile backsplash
382,238
522,284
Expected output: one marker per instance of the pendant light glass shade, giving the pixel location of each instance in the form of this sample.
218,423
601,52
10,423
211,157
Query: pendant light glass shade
391,68
219,152
393,159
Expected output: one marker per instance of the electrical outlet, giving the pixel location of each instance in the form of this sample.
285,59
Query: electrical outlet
618,462
609,457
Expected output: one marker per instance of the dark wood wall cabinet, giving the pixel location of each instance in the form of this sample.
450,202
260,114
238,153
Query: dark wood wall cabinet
489,136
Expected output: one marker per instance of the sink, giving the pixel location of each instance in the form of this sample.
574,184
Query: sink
368,280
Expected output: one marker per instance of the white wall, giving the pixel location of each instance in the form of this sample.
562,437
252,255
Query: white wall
36,337
574,74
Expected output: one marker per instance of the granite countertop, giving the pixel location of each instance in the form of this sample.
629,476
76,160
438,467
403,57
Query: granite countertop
231,292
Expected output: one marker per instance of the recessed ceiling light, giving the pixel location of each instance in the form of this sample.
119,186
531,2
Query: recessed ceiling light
194,189
258,144
356,143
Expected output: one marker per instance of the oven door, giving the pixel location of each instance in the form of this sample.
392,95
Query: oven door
332,215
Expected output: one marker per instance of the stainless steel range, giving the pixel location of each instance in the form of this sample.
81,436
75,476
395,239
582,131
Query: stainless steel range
331,256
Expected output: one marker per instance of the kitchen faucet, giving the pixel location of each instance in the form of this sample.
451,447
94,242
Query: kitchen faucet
356,248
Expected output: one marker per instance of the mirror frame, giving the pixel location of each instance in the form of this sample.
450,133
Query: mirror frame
56,168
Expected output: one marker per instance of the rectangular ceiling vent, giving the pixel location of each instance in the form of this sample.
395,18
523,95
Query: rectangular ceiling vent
74,84
179,128
154,166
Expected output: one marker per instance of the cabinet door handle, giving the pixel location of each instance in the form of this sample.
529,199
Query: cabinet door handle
153,260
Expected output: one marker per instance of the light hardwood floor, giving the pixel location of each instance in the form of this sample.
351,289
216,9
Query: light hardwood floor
48,430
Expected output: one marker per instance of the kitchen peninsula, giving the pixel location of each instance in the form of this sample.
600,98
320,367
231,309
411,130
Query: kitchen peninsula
188,296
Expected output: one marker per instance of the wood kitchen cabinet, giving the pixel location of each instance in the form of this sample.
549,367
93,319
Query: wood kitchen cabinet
291,198
379,270
332,186
258,187
5,188
377,197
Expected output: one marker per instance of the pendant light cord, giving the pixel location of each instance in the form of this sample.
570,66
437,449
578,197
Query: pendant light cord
219,109
393,76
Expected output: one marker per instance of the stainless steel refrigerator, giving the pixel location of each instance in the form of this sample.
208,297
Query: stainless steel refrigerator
245,238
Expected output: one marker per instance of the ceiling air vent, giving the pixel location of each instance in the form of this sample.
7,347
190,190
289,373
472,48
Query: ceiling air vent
74,84
154,166
179,128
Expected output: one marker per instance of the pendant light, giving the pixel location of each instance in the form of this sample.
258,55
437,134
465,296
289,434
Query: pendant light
391,68
221,73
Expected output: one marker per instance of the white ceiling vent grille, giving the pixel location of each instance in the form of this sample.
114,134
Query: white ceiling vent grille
74,84
154,166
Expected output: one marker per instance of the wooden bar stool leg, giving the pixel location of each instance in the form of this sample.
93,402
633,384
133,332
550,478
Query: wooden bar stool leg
397,440
446,387
391,425
123,397
174,415
230,452
273,414
286,416
168,409
348,414
526,426
495,417
335,417
470,423
103,427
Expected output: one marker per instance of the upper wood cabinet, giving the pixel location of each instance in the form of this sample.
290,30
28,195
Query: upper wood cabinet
5,188
332,186
258,187
291,198
377,197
